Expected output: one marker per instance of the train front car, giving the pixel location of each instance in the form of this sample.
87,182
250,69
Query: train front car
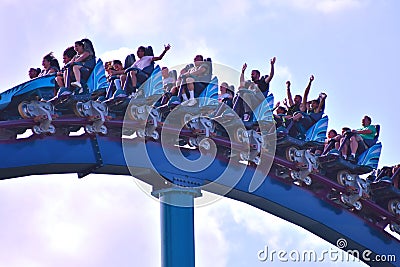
28,101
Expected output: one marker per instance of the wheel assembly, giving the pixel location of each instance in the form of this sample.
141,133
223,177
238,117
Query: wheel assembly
155,135
23,110
291,153
357,205
394,207
242,136
307,180
342,176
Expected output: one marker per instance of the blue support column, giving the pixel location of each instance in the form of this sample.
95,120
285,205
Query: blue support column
177,226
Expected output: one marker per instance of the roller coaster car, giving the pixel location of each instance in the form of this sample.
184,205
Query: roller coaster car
150,89
199,118
315,138
33,90
367,161
347,173
254,133
140,106
93,87
298,151
141,76
23,101
385,191
84,104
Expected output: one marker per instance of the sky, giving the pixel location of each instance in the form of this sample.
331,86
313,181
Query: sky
350,46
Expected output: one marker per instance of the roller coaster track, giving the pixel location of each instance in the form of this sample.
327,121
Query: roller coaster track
313,208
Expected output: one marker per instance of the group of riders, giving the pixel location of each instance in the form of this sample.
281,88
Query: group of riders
296,115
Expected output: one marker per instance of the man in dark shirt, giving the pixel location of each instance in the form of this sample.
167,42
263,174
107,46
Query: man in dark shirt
243,108
263,82
294,104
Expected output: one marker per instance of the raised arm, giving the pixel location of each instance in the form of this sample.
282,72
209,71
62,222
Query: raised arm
166,48
242,75
289,94
321,103
271,74
307,91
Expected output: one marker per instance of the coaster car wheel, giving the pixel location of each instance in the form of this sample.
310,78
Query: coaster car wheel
291,153
357,205
394,207
155,135
257,160
242,136
52,129
78,109
206,145
89,129
103,130
342,176
36,129
141,133
23,110
132,111
307,180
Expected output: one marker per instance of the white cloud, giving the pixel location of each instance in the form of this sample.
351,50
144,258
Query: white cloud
332,6
59,221
209,230
324,6
234,9
119,53
125,17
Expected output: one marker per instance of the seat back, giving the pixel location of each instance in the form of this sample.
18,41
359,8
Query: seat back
378,130
370,157
149,69
129,60
97,79
173,74
209,96
209,62
153,85
149,51
317,132
264,111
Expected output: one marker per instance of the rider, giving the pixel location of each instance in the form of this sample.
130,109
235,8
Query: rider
294,103
262,82
260,86
226,94
199,73
84,60
360,139
143,62
310,112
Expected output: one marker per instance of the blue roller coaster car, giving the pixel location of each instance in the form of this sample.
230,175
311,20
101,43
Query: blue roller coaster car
36,89
385,191
366,162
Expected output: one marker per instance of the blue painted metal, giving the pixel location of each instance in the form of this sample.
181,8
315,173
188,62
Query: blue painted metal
42,86
177,226
317,132
371,156
97,79
293,203
209,96
263,112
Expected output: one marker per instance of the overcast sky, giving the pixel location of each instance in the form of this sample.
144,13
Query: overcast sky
351,47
